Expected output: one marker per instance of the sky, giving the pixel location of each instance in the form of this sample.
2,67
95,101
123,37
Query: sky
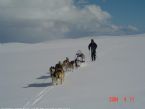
31,21
124,12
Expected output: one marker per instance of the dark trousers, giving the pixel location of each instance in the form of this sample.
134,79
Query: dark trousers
93,55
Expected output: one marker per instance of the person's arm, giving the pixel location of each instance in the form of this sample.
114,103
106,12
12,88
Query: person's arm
96,45
89,46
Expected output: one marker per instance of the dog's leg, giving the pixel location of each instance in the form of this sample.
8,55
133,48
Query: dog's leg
57,81
53,80
63,76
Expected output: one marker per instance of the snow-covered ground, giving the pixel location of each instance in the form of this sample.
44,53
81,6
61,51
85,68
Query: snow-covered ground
118,71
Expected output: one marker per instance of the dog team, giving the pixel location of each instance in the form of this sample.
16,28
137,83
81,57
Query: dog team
57,72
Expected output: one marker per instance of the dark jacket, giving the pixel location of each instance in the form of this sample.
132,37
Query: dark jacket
92,46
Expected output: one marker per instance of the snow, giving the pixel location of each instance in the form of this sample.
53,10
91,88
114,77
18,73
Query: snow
118,71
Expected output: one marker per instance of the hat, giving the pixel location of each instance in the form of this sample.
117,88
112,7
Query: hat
92,40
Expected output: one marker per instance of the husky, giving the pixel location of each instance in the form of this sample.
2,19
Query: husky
80,58
65,64
70,65
51,70
58,76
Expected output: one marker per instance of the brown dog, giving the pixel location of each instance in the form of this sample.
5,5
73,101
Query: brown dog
58,75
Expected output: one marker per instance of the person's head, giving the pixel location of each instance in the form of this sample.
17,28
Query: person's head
67,59
92,40
59,62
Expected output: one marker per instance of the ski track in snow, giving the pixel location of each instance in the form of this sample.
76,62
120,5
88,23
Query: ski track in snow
38,97
45,91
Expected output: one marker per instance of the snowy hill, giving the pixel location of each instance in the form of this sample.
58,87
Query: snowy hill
118,71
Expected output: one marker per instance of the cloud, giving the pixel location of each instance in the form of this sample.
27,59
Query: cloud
132,28
42,20
82,2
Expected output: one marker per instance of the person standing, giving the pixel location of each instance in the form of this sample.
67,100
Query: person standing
92,46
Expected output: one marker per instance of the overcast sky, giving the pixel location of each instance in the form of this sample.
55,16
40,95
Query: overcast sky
41,20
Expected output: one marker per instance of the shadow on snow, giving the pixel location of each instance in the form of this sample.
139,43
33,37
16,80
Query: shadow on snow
40,84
